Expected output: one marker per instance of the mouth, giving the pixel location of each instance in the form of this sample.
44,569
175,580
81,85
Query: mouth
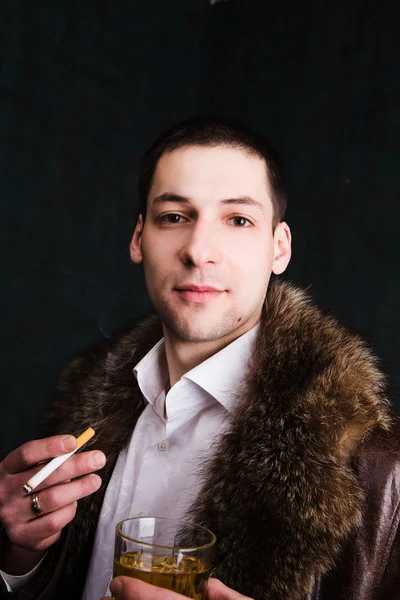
198,293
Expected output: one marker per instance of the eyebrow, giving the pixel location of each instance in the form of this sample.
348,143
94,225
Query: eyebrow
242,200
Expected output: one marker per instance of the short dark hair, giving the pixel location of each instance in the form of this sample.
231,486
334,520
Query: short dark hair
216,131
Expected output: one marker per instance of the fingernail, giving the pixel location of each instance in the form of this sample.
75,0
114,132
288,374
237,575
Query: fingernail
116,586
97,460
96,481
68,443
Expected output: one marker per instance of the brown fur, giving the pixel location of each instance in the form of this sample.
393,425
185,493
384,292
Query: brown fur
280,492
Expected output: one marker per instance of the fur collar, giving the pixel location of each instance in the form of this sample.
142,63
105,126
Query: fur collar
279,492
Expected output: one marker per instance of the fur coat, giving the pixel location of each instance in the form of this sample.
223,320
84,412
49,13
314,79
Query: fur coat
290,490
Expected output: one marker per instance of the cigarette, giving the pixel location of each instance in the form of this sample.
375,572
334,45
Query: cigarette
57,462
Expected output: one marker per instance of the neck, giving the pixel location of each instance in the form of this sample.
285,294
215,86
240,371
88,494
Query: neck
182,355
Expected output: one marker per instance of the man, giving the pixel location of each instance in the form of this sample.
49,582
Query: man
241,406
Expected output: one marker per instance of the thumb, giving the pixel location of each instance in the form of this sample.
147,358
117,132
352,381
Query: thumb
218,591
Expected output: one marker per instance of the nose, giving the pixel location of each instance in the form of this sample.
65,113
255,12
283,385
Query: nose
200,245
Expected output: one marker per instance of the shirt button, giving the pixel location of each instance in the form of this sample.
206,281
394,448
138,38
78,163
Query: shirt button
163,446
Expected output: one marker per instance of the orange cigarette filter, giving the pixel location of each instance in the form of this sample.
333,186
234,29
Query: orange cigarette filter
84,437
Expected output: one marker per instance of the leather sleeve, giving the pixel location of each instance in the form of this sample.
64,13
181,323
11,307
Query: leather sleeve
389,587
43,586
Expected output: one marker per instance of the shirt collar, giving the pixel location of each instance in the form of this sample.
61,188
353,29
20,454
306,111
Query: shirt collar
220,375
152,372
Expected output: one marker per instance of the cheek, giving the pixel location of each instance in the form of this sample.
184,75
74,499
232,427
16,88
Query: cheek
158,268
154,254
254,259
253,269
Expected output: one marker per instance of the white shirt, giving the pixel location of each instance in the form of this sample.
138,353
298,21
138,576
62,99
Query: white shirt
157,474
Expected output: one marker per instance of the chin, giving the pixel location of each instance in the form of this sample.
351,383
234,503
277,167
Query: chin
192,334
197,330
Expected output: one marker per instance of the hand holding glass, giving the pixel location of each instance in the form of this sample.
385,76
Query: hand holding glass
168,553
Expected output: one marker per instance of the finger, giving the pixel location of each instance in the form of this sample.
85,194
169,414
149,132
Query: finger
57,496
40,533
76,466
49,499
37,451
218,591
127,588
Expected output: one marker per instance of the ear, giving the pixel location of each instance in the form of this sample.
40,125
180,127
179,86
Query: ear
136,242
282,248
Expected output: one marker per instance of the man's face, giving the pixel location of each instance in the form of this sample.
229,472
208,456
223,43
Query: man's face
207,244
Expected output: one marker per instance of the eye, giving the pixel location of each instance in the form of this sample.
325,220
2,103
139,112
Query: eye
171,218
240,221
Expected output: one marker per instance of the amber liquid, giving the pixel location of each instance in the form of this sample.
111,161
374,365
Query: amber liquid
189,578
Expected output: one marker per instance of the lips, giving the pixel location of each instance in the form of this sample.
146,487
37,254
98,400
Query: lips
198,288
198,293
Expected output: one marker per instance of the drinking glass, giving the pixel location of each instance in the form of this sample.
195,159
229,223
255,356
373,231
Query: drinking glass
168,553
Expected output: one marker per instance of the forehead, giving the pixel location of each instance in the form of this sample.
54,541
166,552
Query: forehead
211,173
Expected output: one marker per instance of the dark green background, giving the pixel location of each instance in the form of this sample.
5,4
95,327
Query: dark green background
84,88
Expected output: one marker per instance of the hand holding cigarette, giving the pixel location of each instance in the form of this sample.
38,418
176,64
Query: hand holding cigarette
33,522
57,462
